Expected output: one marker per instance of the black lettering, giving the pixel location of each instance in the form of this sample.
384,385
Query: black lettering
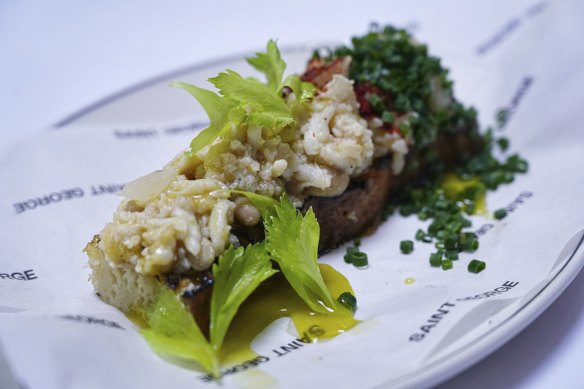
43,200
510,284
501,289
435,318
290,347
77,192
135,133
499,36
18,276
19,207
66,194
305,338
54,197
30,204
278,353
30,275
4,276
427,328
115,325
536,9
417,337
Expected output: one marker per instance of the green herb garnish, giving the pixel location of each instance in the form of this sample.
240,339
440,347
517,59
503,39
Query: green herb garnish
407,246
500,214
292,240
349,301
247,102
446,264
360,259
476,266
173,331
237,274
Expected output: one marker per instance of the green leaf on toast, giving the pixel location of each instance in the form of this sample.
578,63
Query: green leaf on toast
304,91
271,64
173,331
292,240
220,110
264,204
237,274
264,107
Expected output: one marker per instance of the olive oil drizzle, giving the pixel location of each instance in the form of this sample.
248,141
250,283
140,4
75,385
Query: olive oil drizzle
275,299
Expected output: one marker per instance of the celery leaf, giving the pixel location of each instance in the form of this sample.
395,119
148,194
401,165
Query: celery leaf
292,240
173,331
271,64
263,203
220,112
264,107
237,274
304,91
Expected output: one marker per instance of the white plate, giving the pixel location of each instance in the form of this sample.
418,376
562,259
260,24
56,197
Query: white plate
395,346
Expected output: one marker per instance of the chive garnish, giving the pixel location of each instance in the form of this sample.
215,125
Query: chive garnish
446,264
406,246
436,259
382,61
348,300
500,213
360,259
476,266
349,256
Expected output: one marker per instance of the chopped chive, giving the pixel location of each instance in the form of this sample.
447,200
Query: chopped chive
503,143
357,241
452,255
420,235
350,255
436,259
406,246
360,259
470,246
450,243
500,213
476,266
446,264
348,301
387,117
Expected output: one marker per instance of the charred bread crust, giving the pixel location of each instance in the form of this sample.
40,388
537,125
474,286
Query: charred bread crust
359,209
195,292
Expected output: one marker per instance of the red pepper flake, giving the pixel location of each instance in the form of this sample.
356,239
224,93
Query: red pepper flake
363,91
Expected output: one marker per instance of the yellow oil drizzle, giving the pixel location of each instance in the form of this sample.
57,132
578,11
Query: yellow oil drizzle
453,186
409,281
275,299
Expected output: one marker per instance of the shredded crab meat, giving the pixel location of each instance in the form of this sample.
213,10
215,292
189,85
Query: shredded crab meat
180,218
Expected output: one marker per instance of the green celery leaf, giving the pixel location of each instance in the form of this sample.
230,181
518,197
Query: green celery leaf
264,204
237,274
173,331
271,64
304,91
292,240
263,106
220,110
